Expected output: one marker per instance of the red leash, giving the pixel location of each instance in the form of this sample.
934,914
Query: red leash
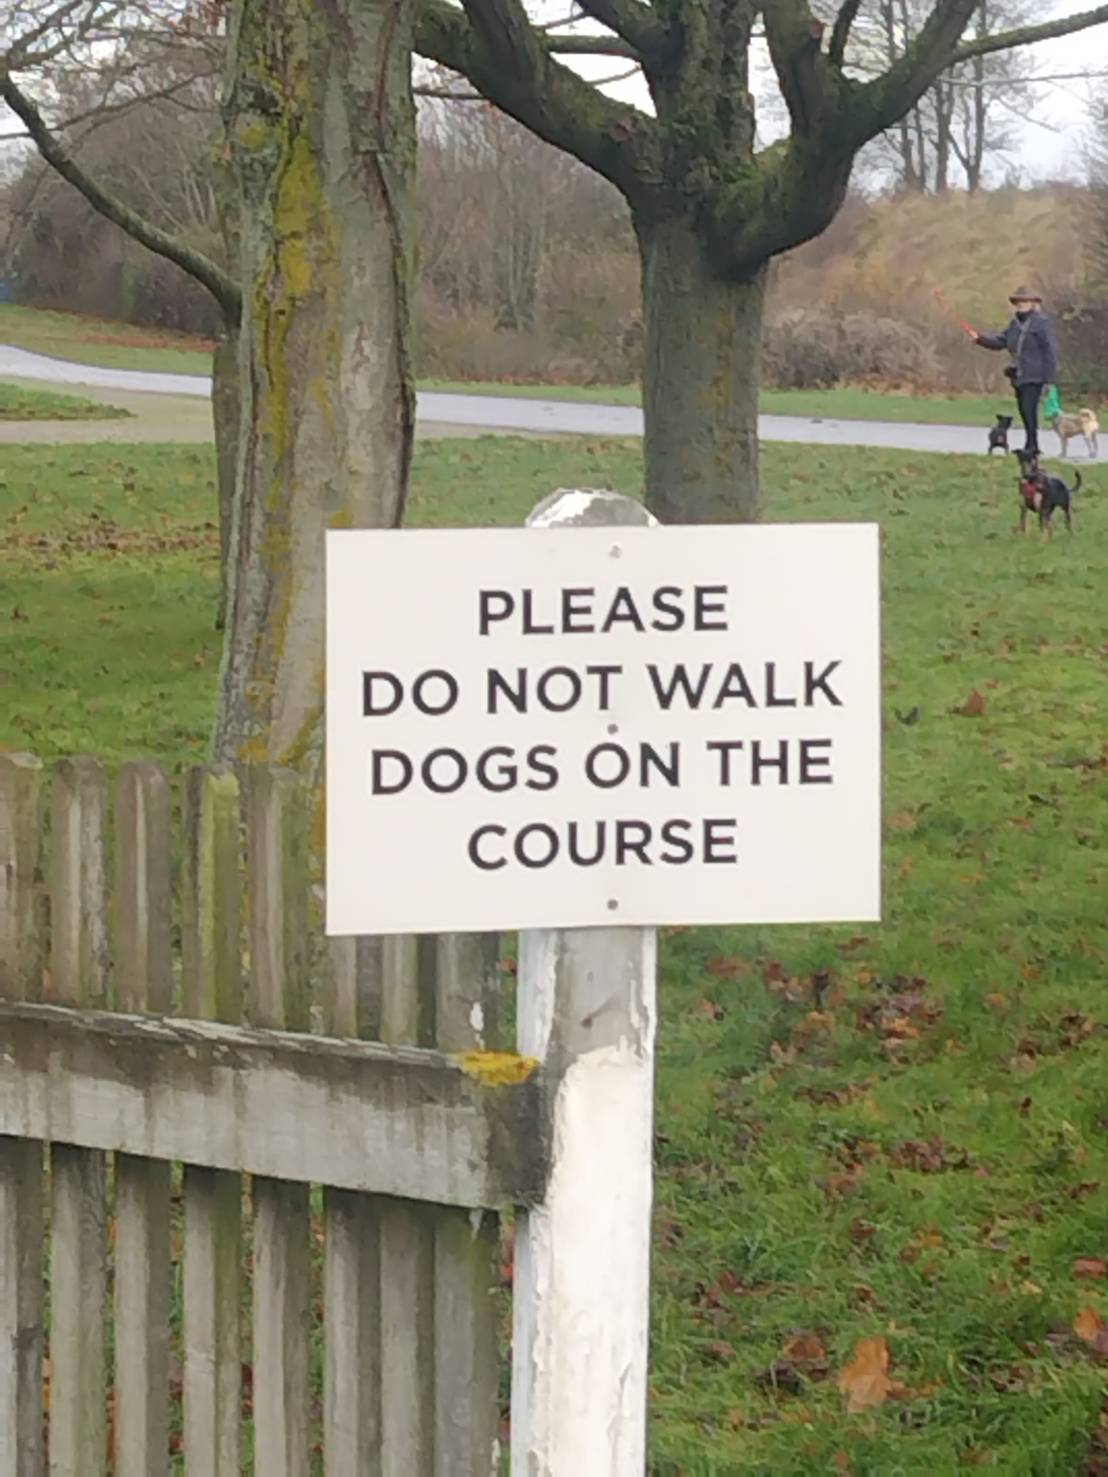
950,313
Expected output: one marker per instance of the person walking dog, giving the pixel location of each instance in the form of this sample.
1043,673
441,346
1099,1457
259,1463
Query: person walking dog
1031,341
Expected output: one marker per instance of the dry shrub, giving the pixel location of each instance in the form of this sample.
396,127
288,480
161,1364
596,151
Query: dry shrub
882,260
807,349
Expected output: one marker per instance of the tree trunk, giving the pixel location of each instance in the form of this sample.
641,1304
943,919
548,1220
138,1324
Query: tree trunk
225,414
321,128
701,375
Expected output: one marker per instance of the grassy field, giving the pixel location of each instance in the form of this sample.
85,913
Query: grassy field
103,341
120,345
895,1134
17,403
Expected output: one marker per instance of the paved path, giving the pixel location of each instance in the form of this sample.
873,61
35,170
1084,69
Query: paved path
437,413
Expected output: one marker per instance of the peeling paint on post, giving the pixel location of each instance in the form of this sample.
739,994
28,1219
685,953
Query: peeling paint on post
582,1277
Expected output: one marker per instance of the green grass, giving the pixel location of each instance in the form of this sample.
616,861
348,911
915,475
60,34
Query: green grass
896,1132
103,341
20,404
122,345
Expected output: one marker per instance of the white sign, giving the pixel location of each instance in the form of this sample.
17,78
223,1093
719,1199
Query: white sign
568,727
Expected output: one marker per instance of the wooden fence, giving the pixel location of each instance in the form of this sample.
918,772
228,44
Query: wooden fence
249,1178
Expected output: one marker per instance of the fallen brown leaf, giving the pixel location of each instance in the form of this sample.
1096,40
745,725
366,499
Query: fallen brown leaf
865,1381
973,707
1089,1267
728,968
804,1348
902,820
1090,1328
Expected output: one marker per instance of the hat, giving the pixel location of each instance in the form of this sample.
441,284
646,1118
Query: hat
1025,294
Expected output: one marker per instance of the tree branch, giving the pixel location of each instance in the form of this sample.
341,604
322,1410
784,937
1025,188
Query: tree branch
794,35
840,35
881,102
493,45
195,263
1028,35
592,46
630,19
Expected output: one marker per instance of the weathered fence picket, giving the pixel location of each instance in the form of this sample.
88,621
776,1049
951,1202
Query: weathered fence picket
278,853
144,983
212,990
466,1268
22,959
407,1259
79,1221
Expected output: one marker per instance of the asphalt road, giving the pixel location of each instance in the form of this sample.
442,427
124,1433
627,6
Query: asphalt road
475,413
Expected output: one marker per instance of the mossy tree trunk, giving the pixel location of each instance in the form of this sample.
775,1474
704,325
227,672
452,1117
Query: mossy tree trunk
225,416
320,126
702,348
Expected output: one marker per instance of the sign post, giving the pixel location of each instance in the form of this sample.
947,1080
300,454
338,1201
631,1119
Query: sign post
581,1299
583,730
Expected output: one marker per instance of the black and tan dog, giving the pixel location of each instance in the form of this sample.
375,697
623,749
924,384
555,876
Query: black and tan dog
1043,494
998,434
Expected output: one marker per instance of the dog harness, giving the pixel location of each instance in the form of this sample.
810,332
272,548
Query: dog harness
1031,490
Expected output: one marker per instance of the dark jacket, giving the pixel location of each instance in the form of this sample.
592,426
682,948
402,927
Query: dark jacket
1033,346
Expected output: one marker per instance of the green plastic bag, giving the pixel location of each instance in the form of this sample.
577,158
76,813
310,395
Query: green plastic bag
1052,403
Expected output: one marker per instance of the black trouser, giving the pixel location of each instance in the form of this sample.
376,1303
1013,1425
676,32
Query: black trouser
1027,398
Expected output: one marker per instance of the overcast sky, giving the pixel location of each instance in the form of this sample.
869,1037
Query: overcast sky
1053,146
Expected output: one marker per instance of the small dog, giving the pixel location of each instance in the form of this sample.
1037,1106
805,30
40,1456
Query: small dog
1083,424
998,434
1043,494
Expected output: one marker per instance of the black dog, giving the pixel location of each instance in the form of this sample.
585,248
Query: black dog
1043,494
998,434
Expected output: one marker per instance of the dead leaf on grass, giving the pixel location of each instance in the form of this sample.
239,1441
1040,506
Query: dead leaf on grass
1089,1267
865,1380
805,1348
728,968
973,707
1090,1328
902,820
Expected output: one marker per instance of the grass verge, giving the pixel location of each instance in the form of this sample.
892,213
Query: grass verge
894,1135
103,341
18,403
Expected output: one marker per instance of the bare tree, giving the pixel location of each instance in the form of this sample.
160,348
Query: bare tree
968,115
46,42
505,224
710,209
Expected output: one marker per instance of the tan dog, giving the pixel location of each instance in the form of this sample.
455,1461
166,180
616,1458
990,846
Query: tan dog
1084,424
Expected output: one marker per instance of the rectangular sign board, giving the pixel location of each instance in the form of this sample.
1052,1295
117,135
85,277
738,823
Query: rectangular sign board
572,727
